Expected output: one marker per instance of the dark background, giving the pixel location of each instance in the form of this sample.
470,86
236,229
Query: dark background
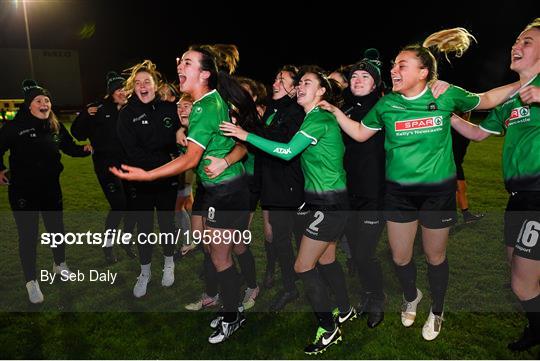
268,34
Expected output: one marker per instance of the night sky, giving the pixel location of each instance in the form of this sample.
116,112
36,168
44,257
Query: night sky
113,35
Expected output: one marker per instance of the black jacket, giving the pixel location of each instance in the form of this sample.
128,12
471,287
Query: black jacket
282,181
35,149
364,162
148,132
101,130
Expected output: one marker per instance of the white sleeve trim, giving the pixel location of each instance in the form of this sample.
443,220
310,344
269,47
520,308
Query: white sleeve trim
476,106
370,127
313,140
194,141
489,131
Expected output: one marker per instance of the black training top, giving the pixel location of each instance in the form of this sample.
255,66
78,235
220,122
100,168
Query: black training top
35,148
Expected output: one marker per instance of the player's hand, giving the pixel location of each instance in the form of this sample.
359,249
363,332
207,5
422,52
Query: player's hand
92,110
327,106
231,130
530,94
438,87
131,173
181,137
215,167
4,180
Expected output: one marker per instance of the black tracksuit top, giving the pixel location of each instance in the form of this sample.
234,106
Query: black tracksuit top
282,181
364,162
148,132
35,149
101,130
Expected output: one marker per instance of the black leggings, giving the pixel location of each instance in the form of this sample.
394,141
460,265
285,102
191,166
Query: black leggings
118,194
160,196
285,224
27,201
364,227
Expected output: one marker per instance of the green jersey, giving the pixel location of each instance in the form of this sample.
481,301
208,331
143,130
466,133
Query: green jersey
520,123
418,142
322,161
206,115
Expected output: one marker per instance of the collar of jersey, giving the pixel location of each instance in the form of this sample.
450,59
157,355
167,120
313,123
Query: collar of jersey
523,86
205,95
416,96
312,109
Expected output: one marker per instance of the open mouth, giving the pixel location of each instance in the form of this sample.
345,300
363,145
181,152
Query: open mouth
181,78
396,80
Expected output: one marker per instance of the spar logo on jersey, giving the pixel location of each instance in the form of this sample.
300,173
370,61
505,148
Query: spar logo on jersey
418,124
518,113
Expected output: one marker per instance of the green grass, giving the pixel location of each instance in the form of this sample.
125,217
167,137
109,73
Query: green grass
482,314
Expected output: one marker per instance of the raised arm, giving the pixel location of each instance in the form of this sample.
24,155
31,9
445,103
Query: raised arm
355,130
467,129
496,96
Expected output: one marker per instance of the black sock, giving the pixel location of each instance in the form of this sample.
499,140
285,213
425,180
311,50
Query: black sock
407,278
333,273
438,283
247,267
464,210
532,310
210,276
230,292
318,297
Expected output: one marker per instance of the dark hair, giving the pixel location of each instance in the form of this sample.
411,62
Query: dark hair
257,89
291,69
221,61
333,91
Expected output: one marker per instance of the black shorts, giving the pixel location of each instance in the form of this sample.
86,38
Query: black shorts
522,224
226,205
325,223
432,211
199,208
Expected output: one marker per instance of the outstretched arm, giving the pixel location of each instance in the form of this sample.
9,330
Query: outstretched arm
174,167
355,130
496,96
467,129
285,151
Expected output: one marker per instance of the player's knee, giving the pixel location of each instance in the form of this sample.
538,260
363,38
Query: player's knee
523,288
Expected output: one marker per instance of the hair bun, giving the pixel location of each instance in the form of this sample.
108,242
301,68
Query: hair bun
371,54
111,75
28,83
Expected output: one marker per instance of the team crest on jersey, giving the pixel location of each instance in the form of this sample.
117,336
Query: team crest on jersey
56,138
198,109
417,124
167,122
517,115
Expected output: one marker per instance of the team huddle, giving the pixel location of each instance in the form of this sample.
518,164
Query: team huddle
328,158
